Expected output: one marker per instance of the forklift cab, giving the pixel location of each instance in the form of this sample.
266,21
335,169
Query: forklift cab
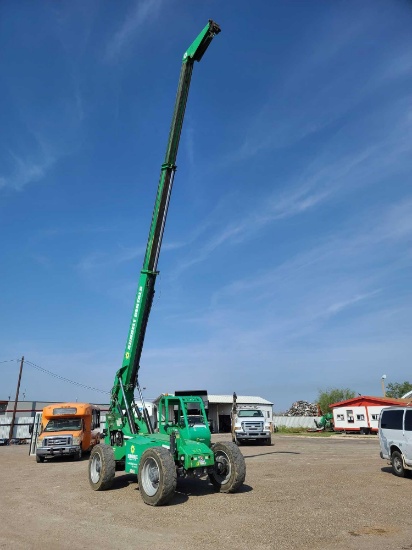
186,414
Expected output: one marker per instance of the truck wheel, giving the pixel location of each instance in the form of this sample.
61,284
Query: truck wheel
230,468
397,464
101,467
157,476
268,441
39,458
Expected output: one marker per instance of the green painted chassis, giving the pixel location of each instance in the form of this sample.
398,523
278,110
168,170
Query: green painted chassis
191,447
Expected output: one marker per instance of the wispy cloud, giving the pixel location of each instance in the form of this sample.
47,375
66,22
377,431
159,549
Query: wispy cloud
397,223
359,264
340,306
96,261
305,103
353,159
143,11
269,210
41,138
29,168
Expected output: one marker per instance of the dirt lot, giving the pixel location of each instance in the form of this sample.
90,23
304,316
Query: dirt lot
301,493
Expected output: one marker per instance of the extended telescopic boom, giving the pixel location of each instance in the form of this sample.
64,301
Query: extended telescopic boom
126,377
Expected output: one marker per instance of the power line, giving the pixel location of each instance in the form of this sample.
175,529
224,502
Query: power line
58,376
38,367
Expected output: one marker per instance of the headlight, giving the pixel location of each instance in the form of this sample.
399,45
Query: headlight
40,442
76,441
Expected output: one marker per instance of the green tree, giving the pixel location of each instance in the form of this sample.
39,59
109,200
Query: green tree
333,395
395,389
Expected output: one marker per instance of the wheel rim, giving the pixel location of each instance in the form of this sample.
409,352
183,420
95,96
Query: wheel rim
223,468
95,468
150,477
397,464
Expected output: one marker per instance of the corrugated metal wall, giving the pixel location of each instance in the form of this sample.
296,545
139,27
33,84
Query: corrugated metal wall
295,421
21,427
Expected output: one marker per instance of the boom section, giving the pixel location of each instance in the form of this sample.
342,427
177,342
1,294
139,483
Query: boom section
126,377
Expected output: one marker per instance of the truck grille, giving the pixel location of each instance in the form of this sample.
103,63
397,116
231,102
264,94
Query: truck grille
57,441
250,426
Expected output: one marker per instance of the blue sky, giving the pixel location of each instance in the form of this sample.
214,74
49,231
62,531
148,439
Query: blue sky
286,264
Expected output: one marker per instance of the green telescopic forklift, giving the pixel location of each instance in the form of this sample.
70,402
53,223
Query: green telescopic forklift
182,445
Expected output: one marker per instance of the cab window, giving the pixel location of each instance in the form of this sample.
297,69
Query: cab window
408,421
392,420
95,419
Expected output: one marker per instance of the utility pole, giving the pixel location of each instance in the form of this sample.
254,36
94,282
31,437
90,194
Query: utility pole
13,418
383,385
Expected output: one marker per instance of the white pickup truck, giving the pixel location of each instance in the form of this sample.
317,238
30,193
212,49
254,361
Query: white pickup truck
248,424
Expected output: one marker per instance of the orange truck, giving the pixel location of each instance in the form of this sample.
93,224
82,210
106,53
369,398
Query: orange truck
68,429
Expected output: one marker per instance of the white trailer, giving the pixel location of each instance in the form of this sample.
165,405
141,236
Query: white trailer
362,419
360,414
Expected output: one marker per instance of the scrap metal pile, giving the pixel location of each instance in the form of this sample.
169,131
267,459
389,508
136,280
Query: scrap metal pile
302,408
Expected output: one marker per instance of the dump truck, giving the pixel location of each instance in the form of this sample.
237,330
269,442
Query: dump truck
249,423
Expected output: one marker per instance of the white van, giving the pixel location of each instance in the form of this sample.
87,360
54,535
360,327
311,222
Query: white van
395,438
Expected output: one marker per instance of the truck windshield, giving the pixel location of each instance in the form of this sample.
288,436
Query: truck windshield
195,419
63,424
247,412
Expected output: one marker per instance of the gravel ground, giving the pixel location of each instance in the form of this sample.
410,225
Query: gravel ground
301,493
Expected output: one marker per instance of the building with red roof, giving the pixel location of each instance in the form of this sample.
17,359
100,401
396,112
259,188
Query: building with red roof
361,414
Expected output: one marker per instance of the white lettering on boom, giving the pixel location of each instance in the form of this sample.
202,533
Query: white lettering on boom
134,321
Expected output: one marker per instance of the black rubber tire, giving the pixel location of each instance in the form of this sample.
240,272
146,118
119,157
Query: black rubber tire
102,467
239,442
78,455
157,462
230,467
397,464
268,441
39,459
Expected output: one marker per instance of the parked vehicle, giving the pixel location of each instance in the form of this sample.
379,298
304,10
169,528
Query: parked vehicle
68,429
249,424
395,438
4,441
130,443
